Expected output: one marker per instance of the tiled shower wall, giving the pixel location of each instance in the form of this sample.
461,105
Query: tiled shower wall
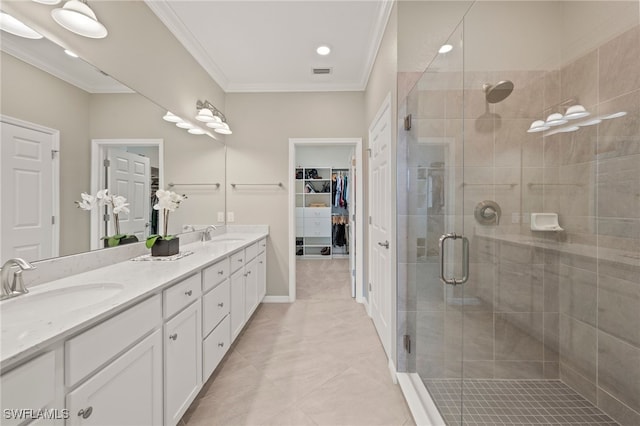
568,306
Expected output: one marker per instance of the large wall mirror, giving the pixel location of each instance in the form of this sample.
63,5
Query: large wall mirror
61,108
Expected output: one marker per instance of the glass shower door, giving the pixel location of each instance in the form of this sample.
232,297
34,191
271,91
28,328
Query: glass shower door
435,216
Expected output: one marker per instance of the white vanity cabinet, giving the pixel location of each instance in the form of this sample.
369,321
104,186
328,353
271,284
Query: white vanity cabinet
262,269
216,331
19,393
237,293
124,369
182,347
126,392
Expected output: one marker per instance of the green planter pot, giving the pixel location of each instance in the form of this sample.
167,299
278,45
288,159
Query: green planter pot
166,247
127,240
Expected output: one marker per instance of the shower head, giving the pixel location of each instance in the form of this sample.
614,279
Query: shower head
498,92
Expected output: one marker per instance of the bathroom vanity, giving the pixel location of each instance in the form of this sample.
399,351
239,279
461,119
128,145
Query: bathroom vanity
132,342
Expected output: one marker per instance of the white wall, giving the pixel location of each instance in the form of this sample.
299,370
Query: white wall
258,151
314,156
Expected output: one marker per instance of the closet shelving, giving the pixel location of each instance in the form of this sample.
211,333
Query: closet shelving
314,212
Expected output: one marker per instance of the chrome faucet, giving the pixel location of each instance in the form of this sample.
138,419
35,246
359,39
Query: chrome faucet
16,286
206,234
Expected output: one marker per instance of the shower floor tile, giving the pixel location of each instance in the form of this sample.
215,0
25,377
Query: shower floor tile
513,402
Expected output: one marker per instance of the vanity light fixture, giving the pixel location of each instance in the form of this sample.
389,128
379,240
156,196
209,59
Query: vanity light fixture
213,117
196,131
77,17
48,2
572,114
14,26
171,117
185,125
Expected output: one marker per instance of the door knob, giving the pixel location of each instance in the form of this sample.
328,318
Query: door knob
385,244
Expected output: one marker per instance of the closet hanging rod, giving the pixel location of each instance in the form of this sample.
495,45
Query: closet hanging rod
172,184
279,184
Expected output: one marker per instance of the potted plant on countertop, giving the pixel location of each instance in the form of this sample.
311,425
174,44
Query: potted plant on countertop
118,205
165,245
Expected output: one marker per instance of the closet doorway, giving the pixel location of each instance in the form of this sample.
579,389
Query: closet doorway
326,205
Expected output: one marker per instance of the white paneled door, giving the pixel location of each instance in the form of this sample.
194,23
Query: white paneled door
380,204
28,193
129,176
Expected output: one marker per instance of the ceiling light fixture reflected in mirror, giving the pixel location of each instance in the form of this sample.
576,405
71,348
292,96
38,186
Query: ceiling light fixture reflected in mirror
445,48
48,2
77,17
14,26
70,53
323,50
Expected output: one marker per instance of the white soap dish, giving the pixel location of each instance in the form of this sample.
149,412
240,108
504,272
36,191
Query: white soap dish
545,222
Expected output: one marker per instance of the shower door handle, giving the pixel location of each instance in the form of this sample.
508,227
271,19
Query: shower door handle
465,259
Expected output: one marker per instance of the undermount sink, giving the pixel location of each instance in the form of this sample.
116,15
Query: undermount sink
42,305
228,240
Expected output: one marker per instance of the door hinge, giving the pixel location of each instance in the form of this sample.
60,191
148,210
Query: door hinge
106,162
407,122
53,153
370,289
106,217
369,152
407,343
53,220
370,220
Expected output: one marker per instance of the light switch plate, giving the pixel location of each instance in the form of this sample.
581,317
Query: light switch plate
230,217
220,216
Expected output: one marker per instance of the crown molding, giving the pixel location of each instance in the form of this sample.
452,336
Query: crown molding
377,34
170,19
13,49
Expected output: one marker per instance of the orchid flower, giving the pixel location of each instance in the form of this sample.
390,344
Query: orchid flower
168,201
88,201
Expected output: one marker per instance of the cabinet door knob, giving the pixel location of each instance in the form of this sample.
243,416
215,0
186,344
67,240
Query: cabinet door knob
173,336
220,272
221,304
188,293
221,344
261,262
85,412
239,260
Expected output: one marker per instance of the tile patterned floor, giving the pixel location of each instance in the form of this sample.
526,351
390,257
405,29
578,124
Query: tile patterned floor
514,402
317,361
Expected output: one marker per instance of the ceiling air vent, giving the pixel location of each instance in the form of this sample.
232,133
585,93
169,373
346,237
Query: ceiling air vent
319,71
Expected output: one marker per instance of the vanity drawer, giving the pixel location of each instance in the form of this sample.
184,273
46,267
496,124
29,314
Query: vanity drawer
237,261
215,306
182,294
19,392
215,274
214,347
89,350
262,245
251,252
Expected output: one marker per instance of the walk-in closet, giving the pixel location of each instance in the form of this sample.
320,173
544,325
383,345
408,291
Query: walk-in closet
324,197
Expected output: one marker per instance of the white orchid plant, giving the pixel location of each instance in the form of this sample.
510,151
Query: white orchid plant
168,201
118,205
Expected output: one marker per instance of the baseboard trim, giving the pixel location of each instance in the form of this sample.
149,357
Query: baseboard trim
423,409
276,299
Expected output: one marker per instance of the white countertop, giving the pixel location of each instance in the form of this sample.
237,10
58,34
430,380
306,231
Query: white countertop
119,286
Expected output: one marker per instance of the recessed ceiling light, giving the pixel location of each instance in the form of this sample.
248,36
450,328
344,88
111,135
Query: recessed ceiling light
70,53
445,48
323,50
